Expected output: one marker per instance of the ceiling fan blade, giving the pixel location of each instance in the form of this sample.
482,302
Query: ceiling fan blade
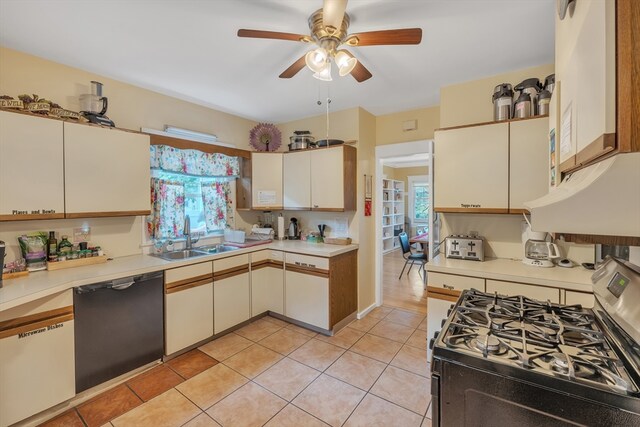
293,68
260,34
386,37
359,72
333,13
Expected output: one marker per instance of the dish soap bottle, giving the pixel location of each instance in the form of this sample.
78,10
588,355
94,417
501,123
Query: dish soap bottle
65,245
52,247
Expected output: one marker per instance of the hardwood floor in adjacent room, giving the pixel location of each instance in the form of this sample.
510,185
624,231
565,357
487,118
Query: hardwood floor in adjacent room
407,292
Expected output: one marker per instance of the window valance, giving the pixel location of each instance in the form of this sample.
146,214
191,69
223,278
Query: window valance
193,162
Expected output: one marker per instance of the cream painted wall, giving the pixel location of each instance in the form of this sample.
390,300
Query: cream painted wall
403,174
389,126
130,107
389,172
470,102
342,125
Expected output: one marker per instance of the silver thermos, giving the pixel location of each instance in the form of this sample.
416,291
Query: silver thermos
550,82
293,232
544,99
502,102
522,107
531,87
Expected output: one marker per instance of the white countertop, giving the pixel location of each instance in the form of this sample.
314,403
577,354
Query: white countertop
576,278
40,284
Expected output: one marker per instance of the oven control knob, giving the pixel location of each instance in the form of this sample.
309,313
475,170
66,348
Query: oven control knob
450,310
443,322
433,340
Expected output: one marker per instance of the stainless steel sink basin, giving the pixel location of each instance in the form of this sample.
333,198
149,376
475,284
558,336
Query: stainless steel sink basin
215,249
177,255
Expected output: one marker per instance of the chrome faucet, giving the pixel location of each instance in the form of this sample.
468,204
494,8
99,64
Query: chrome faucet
187,233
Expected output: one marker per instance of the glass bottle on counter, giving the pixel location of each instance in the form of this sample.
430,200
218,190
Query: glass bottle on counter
65,245
52,247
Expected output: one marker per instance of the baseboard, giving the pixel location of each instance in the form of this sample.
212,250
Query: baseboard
366,310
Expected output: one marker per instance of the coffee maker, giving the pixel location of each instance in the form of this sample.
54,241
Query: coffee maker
293,233
93,106
538,250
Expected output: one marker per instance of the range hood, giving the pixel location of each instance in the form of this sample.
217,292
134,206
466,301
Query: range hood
602,199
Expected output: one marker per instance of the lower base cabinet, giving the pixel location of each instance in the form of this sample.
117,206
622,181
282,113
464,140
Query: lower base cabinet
231,292
307,297
586,300
267,282
37,369
539,293
188,316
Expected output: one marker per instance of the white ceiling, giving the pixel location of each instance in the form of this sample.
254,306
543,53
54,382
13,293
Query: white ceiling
189,48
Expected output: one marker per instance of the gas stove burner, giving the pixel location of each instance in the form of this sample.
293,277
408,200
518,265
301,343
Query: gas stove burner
487,344
560,360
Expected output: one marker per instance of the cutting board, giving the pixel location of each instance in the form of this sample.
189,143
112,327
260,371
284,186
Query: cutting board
248,244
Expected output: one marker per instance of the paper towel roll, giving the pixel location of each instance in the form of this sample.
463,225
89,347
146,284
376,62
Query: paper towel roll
280,227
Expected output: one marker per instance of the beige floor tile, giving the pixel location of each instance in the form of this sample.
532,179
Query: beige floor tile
209,387
255,331
356,370
287,378
226,346
329,399
202,420
345,338
284,341
376,412
391,330
276,321
292,416
302,330
379,348
430,408
412,359
364,324
380,312
423,325
404,317
418,339
426,422
169,409
249,406
253,360
404,388
317,354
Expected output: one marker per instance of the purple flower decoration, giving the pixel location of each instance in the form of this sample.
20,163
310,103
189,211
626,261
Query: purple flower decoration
265,137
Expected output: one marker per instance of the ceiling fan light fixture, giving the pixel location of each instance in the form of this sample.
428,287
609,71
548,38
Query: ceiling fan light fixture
345,63
316,59
324,74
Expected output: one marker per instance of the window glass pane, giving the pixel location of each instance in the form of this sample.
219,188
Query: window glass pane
420,195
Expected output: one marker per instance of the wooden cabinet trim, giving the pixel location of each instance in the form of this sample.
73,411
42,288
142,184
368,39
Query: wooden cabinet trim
519,211
606,143
230,272
201,279
70,215
627,75
35,321
491,123
443,293
568,164
183,287
307,270
271,263
328,210
343,287
603,240
473,210
31,217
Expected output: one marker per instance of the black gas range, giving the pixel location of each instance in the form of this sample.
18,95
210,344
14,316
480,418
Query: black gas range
514,361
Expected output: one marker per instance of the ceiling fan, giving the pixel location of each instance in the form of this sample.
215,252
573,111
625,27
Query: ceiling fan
329,31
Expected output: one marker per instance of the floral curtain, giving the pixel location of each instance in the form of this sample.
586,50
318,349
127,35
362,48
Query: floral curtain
193,162
167,209
218,210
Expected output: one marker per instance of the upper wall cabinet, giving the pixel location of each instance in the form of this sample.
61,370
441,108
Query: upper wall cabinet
297,180
31,168
491,168
333,179
266,181
471,171
106,172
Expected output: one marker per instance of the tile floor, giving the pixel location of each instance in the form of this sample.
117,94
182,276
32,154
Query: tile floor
372,373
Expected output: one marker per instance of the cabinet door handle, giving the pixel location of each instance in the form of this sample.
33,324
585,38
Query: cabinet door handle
448,287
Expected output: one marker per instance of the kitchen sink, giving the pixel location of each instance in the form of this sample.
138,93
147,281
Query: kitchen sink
215,249
177,255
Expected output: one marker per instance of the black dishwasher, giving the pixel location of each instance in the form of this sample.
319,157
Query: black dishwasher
119,326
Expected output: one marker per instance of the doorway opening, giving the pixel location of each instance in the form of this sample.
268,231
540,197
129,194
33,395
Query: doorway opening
404,184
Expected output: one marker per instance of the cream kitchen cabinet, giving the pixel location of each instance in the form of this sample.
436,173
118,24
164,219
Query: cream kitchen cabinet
528,161
452,282
31,167
540,293
106,172
333,179
266,181
297,180
586,68
471,171
267,282
188,306
585,299
37,365
231,292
